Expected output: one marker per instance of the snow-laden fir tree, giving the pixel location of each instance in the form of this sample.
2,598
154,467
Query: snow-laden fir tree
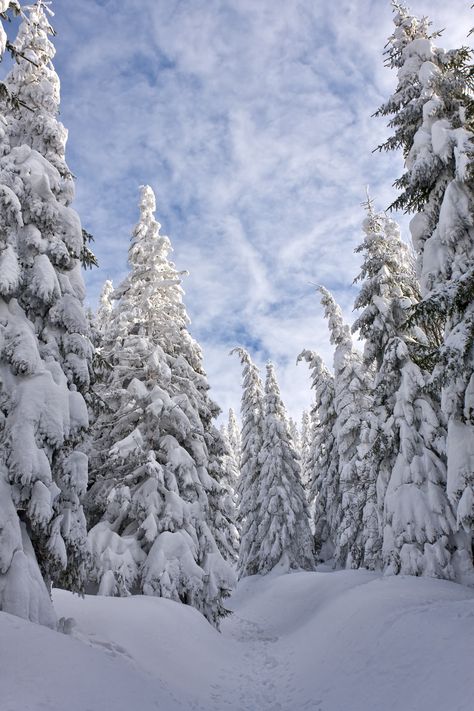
45,349
233,433
417,518
389,287
432,116
222,512
283,533
251,445
389,290
295,435
228,534
322,460
231,470
352,404
156,454
104,312
305,450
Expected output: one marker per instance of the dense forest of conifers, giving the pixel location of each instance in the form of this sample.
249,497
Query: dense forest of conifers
114,478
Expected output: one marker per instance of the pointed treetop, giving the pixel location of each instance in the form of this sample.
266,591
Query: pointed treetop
107,291
232,416
32,42
148,226
271,386
407,29
147,199
368,203
271,372
105,305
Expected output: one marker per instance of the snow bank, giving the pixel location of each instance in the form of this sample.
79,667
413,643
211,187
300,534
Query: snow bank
320,641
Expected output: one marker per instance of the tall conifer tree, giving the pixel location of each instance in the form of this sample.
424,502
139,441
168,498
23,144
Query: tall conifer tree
250,467
282,532
322,459
432,116
157,454
46,352
352,406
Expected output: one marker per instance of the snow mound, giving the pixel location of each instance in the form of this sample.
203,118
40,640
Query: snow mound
319,641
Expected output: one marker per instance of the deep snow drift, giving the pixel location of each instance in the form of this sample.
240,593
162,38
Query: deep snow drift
325,641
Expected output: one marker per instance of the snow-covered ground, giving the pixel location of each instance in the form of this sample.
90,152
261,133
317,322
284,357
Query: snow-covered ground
325,641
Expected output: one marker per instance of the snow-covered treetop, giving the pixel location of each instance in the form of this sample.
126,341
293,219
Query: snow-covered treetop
407,29
389,285
34,44
339,331
233,432
105,309
252,394
151,296
35,85
430,80
273,401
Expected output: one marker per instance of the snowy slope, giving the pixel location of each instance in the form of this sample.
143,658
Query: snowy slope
323,641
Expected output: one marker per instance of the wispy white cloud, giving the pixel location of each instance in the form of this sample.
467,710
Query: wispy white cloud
252,121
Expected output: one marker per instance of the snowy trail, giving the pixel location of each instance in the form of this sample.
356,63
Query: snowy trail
262,674
345,641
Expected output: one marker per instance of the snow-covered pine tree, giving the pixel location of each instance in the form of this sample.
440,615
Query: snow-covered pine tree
222,511
306,435
45,351
389,287
418,521
389,290
156,453
352,405
233,433
432,116
322,460
295,435
104,312
251,443
283,533
229,480
231,471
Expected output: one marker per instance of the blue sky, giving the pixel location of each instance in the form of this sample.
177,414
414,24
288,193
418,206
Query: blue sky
252,123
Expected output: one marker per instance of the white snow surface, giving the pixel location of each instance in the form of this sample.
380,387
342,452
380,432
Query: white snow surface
325,641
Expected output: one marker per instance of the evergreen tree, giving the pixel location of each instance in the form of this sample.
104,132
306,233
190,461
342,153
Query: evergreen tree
233,433
306,436
389,287
222,496
283,533
418,521
229,481
322,459
104,312
352,405
252,440
231,475
432,113
46,351
157,457
388,291
295,435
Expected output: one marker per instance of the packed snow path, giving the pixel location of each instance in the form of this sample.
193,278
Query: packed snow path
345,641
